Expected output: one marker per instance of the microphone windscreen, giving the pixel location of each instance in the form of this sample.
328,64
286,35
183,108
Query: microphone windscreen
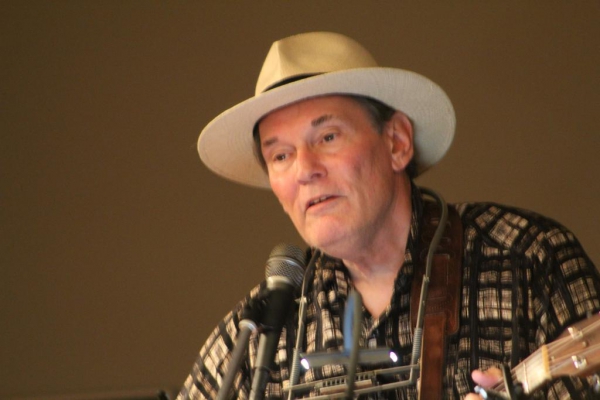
289,261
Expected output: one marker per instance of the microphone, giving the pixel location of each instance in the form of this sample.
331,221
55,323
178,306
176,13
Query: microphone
285,271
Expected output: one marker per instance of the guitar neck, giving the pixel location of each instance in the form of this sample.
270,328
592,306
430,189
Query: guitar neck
531,373
575,353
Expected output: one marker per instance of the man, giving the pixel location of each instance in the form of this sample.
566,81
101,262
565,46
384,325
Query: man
339,139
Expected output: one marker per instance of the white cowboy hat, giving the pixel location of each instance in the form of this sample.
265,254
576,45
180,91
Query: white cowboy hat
331,64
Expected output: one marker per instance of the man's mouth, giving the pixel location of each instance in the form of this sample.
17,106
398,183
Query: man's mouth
317,200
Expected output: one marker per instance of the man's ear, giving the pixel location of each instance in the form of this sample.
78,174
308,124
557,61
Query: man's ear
400,131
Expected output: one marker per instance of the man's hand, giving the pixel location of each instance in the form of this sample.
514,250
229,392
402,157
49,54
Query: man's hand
485,379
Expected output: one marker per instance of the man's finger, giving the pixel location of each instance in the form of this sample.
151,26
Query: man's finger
487,378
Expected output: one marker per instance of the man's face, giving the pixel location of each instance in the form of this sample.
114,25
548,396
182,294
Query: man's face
333,173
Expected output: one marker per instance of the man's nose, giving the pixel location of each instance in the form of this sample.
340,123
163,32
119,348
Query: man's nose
309,166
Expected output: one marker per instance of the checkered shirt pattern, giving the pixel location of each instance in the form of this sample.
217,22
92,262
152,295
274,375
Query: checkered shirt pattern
525,279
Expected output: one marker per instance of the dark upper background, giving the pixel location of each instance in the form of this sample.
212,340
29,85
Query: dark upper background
121,251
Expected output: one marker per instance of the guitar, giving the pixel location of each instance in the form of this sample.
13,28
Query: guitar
575,353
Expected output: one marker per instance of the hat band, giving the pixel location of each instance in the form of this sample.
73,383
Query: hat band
290,79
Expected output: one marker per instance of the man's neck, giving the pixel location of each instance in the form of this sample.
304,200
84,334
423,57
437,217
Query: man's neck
375,267
375,281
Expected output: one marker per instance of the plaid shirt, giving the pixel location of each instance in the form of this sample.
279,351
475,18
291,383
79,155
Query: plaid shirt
525,279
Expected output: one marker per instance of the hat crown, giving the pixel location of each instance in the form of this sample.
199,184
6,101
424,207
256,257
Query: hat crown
309,54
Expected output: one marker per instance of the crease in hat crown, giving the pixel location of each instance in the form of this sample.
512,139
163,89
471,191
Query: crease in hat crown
309,54
317,64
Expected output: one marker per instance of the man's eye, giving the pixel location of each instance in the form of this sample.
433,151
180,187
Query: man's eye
329,137
279,157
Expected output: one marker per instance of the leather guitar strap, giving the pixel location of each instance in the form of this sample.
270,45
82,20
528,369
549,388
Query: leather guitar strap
442,304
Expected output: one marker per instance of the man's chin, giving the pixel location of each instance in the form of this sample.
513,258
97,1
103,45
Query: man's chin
318,242
331,246
326,236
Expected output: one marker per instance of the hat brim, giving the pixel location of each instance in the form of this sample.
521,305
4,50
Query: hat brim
226,145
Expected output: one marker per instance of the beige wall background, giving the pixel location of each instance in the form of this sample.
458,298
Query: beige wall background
120,252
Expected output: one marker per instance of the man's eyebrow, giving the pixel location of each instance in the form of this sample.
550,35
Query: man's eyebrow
314,123
318,121
268,142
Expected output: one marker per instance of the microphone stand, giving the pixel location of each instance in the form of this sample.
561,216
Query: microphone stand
295,371
353,324
247,326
